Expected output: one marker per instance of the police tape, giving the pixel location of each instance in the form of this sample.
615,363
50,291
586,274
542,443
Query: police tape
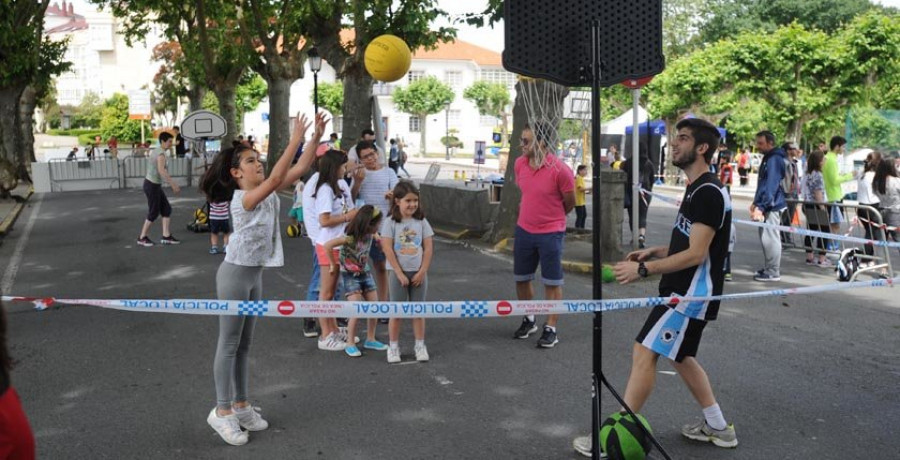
440,309
797,230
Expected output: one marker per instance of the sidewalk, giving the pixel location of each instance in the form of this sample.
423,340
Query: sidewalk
10,208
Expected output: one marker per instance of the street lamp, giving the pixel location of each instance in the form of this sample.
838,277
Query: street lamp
447,134
315,64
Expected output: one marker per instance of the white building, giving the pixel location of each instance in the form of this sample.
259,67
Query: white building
102,63
458,64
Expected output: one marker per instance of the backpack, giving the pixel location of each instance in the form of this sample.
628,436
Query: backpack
790,183
848,264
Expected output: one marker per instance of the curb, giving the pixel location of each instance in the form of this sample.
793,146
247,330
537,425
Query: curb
10,218
450,235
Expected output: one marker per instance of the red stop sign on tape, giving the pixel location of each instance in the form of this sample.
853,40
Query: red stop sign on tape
504,308
286,308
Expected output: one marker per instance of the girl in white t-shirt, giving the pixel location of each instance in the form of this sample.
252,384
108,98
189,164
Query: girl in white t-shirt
238,175
334,208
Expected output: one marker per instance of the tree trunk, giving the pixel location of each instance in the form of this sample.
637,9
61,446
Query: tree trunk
279,118
9,125
27,104
225,92
423,124
196,91
511,196
794,131
357,107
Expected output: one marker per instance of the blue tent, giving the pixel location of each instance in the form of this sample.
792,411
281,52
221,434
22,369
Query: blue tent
658,127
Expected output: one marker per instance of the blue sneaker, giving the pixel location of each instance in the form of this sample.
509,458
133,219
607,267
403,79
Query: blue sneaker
213,250
374,345
766,277
351,350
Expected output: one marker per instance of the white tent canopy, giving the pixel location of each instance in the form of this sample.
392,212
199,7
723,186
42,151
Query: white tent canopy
617,126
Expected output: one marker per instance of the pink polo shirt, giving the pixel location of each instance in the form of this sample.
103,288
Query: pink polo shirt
542,209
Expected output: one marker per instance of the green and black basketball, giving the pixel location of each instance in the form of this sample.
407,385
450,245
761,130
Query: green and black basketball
622,438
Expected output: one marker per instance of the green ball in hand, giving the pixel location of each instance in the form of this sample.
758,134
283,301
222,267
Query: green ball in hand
607,275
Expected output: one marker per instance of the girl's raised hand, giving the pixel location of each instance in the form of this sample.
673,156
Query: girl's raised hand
321,121
301,126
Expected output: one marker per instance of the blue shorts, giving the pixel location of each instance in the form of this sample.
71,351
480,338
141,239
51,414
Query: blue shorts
357,283
531,249
217,226
375,253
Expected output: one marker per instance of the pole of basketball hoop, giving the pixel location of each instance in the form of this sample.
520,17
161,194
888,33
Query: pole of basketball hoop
595,235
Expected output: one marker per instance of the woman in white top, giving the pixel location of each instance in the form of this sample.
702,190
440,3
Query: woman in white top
334,208
240,176
866,197
886,185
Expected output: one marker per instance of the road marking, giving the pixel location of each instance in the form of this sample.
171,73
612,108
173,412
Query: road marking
668,372
9,276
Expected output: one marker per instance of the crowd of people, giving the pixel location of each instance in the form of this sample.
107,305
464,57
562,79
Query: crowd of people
370,240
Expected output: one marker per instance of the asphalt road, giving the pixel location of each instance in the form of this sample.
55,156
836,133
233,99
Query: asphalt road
801,377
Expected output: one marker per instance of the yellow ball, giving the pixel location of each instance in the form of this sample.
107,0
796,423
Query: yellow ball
293,231
388,58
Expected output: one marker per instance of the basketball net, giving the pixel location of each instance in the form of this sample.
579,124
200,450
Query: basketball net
560,113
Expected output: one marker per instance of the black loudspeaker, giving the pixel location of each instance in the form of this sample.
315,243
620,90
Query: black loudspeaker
551,39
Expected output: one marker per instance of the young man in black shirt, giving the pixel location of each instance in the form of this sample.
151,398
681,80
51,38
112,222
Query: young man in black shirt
692,265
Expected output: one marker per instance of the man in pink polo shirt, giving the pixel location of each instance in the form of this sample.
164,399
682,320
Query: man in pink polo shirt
548,194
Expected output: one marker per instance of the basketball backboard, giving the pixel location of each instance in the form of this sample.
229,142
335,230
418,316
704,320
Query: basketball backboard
203,124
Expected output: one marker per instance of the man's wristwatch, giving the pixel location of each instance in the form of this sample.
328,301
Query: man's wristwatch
642,270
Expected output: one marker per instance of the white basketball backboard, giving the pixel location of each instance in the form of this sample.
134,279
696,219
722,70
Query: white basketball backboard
203,124
577,105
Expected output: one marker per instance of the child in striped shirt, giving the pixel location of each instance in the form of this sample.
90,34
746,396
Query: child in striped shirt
218,224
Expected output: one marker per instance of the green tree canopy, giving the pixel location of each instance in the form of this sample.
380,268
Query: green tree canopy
115,120
331,97
492,99
422,98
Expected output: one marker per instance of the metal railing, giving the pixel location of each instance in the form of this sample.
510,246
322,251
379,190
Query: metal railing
100,169
857,220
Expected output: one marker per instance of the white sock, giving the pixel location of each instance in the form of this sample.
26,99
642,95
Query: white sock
530,318
552,328
395,345
420,343
241,409
714,417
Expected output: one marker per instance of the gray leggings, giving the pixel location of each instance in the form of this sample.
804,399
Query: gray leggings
410,293
234,282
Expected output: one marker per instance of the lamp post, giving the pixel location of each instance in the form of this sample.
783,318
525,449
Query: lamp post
315,64
447,134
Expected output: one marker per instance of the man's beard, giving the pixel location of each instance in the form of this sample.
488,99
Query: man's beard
686,160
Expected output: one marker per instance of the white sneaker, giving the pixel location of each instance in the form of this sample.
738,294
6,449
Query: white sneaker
228,428
583,445
249,418
393,355
342,332
332,343
421,353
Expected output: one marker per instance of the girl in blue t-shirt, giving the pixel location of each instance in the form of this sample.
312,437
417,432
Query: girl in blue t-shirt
406,239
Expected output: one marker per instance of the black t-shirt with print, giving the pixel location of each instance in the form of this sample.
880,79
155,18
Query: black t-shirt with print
707,202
